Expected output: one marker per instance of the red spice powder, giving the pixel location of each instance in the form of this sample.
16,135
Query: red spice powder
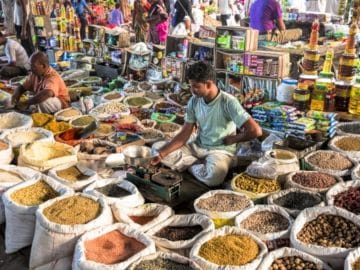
113,247
142,219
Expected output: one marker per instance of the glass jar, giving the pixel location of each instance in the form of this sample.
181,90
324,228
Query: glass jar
310,62
327,79
301,98
318,98
354,103
308,80
347,67
342,98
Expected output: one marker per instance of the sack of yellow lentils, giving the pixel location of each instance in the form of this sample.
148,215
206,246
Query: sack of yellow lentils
60,223
21,203
228,248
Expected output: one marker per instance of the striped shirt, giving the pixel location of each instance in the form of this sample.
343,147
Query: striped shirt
16,53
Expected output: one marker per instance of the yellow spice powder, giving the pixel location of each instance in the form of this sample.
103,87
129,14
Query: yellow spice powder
34,194
230,250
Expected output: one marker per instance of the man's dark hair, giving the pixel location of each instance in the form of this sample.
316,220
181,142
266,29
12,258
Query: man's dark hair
117,5
201,72
40,57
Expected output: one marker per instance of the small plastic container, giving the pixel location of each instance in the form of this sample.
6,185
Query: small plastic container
285,91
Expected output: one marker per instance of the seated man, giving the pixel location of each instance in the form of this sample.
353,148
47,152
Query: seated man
17,58
50,92
217,115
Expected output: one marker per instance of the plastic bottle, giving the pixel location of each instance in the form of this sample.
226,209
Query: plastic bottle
285,91
301,97
318,98
342,90
354,103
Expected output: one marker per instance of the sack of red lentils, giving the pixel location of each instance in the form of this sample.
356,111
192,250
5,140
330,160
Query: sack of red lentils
346,144
12,175
228,248
143,217
111,247
295,200
271,223
179,233
345,195
75,176
116,192
164,261
290,258
222,206
355,174
21,202
328,233
61,221
312,181
352,261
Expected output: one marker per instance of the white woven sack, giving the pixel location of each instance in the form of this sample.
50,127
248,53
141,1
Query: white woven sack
285,234
355,174
334,256
291,184
338,188
351,259
167,256
60,117
217,214
38,155
289,252
60,264
20,219
104,115
77,185
21,174
81,263
292,212
352,154
332,172
6,155
182,247
160,211
132,200
53,241
8,135
194,254
14,120
348,128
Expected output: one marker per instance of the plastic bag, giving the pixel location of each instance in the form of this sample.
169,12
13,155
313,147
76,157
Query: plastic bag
268,143
262,168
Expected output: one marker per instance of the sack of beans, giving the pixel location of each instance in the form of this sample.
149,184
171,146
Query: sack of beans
60,223
11,175
355,174
222,206
228,248
43,156
255,188
19,137
67,114
143,217
345,195
164,261
348,128
290,258
346,144
179,233
112,247
75,176
312,181
271,223
6,153
294,200
14,120
330,162
21,202
116,192
352,261
328,233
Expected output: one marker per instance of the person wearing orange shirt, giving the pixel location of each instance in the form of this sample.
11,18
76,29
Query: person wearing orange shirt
49,89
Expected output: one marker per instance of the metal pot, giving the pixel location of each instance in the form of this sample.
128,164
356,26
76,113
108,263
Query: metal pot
137,155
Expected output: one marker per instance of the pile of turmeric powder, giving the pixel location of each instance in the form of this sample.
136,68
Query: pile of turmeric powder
57,127
41,119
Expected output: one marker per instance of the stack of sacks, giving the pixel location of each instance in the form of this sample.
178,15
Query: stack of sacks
300,127
324,121
281,116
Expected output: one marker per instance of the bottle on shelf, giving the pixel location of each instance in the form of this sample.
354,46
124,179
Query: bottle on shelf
318,98
354,103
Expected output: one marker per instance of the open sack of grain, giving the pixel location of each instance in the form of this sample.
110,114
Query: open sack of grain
75,176
43,156
352,261
60,223
143,217
108,109
294,200
6,153
19,137
164,261
316,231
222,206
271,223
180,232
228,248
348,128
116,192
291,258
14,120
67,114
21,202
111,247
347,144
345,195
10,175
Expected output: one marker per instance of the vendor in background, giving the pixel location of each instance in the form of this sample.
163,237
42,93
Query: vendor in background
183,28
17,58
217,114
98,16
81,7
226,9
49,89
22,27
140,25
116,17
182,8
158,22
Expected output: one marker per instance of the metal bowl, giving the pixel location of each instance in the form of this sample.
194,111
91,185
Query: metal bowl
137,155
